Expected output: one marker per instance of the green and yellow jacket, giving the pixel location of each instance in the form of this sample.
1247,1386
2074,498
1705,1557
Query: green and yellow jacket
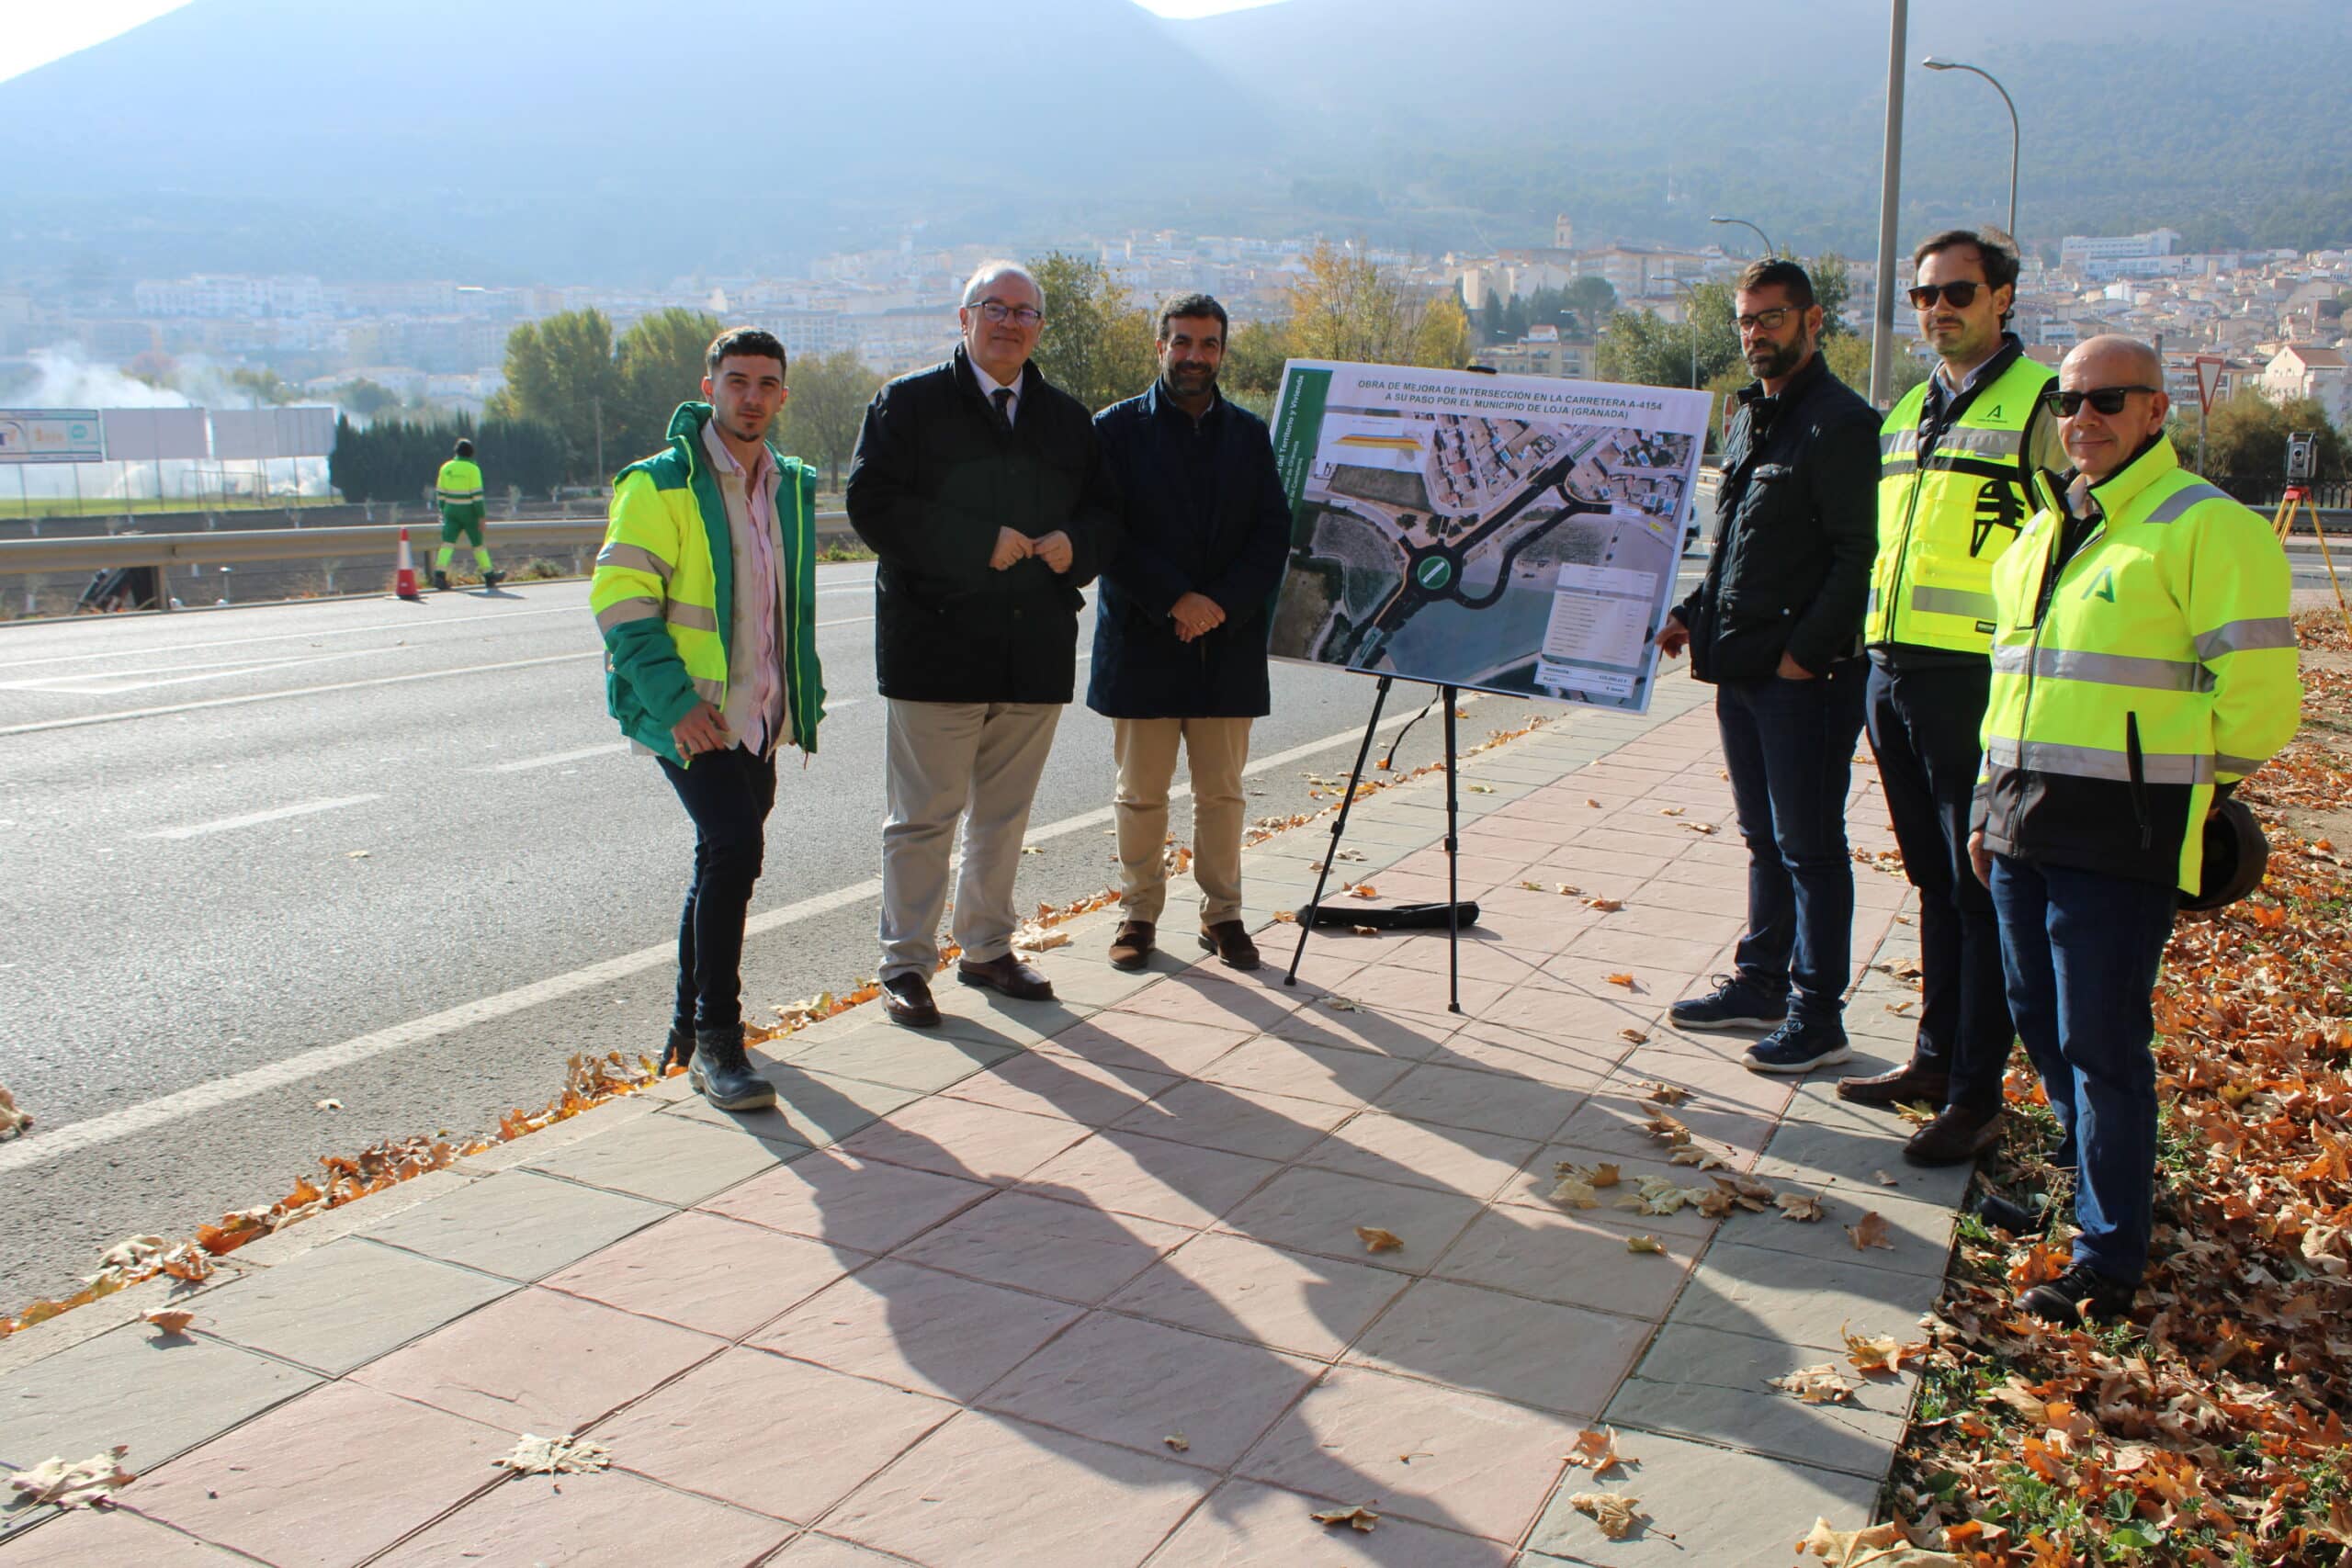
2142,661
664,590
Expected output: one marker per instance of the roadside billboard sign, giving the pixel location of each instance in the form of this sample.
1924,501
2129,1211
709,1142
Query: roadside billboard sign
51,436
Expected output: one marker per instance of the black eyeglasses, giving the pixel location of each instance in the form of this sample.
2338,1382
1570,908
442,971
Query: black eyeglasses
2106,399
1959,295
1765,321
997,310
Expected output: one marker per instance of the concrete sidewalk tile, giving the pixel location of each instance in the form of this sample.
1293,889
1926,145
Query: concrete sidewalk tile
716,1276
1696,1383
1480,1100
327,1479
112,1539
589,1521
904,1058
1837,1154
1410,1036
917,1329
1611,868
1557,1013
158,1394
987,1492
1741,1289
346,1304
1155,1045
1127,1173
1388,990
1093,985
1691,894
517,1223
1613,945
1653,985
1616,1122
1030,1243
956,1137
1308,1209
1921,1232
1482,955
1721,1506
814,1551
1450,1159
1577,1053
1249,1009
766,1433
1533,1190
1560,1358
812,1107
1125,1381
1229,1286
1336,1076
1247,1525
538,1361
1456,1460
984,1017
1050,1084
846,1201
668,1159
1570,1260
1267,1126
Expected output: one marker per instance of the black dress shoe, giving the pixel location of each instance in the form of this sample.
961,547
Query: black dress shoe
1230,940
723,1073
1909,1084
1006,976
1956,1136
2081,1292
906,1001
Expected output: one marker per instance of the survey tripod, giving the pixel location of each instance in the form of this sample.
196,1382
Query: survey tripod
2298,498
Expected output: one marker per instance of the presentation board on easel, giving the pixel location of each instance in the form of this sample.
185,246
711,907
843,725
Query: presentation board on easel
1517,534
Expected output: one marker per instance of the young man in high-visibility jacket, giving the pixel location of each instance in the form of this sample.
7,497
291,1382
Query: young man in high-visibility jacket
1958,457
2144,663
705,591
458,490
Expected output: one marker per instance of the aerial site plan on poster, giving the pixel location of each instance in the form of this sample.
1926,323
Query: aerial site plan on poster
1512,533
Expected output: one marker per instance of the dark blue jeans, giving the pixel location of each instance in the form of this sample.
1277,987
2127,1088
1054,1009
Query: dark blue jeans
1924,725
729,794
1788,746
2081,952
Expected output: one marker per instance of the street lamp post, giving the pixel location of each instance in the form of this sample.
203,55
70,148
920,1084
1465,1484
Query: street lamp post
1770,248
1889,192
1933,63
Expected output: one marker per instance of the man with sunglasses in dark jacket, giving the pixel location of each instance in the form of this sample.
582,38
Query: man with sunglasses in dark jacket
1777,626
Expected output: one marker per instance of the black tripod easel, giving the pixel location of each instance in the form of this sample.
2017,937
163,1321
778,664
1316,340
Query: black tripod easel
1448,695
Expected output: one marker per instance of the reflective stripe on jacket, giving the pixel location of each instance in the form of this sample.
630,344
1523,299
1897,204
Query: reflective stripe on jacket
1946,514
2157,662
458,482
664,593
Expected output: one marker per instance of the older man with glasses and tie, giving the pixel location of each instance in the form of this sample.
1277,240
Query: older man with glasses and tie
981,489
2144,663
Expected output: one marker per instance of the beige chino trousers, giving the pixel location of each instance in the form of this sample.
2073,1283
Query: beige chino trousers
1215,749
941,761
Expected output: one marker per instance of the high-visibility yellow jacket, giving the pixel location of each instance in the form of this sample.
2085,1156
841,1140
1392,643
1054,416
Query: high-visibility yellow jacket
664,590
2154,665
1946,514
459,483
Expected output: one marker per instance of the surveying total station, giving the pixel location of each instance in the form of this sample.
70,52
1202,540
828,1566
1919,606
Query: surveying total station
2303,469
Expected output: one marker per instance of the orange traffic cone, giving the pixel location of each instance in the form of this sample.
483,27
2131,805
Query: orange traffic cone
404,573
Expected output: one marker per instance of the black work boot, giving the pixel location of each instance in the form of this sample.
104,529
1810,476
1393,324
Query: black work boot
723,1073
441,581
680,1049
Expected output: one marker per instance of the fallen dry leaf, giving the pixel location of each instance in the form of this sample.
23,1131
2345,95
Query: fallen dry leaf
354,854
1637,1036
1596,1449
1032,850
1288,917
1799,1205
12,1120
1824,1385
1340,1004
1532,887
1901,1006
171,1320
1594,804
1176,1443
1885,1178
1619,979
1363,890
85,1485
1359,1517
1917,1115
1692,1154
1700,827
1615,1512
1479,789
1365,930
1669,811
1881,1546
1871,1231
329,1105
1566,889
1033,938
1646,1244
1606,906
1576,1193
1374,1239
554,1456
1666,1093
1879,1353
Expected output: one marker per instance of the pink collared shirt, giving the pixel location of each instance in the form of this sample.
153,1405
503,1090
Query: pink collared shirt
756,701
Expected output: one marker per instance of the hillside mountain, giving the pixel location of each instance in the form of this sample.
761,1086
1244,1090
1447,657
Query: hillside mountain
610,140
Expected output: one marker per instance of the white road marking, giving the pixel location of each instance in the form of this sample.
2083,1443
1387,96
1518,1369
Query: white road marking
48,724
610,747
114,682
40,1147
470,624
253,818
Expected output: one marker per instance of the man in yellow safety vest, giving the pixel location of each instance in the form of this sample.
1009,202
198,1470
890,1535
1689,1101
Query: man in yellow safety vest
457,487
2144,663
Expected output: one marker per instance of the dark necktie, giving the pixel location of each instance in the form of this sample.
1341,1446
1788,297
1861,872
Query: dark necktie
1002,398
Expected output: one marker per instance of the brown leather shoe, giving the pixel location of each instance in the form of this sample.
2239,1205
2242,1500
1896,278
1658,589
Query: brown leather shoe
1956,1136
906,1000
1231,944
1131,949
1909,1084
1006,976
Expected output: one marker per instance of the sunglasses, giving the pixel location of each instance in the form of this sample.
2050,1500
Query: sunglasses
2106,400
1959,295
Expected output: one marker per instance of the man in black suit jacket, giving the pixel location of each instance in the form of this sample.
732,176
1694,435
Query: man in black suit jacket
981,488
1179,637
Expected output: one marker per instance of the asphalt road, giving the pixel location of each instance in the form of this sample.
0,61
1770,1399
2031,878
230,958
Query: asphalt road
396,855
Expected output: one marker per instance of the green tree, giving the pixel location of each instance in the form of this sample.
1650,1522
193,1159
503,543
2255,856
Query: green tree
1350,308
1643,348
365,399
1591,297
1849,360
822,417
657,365
1442,337
1097,343
1253,360
1831,288
264,387
2245,439
560,372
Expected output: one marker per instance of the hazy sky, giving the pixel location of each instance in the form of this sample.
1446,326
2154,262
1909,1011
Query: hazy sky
41,33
